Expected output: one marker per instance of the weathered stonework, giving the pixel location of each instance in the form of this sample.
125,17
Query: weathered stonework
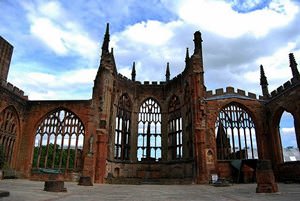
198,108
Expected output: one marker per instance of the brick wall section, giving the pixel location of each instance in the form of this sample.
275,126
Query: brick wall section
6,51
35,112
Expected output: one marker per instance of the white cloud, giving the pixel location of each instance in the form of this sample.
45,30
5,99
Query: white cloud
50,24
219,17
60,86
288,131
234,44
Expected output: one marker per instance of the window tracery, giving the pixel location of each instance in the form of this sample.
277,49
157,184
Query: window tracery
8,132
175,129
122,130
235,134
59,142
149,131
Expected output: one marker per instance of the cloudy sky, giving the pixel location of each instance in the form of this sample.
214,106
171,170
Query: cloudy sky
57,43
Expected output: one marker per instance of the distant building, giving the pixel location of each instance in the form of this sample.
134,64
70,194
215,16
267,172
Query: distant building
173,131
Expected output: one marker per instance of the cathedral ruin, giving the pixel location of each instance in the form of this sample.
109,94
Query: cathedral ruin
170,132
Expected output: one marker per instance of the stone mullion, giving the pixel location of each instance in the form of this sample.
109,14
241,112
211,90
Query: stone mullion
134,136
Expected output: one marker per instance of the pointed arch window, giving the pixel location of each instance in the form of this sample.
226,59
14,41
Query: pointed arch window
175,148
59,142
122,130
149,131
8,132
289,147
235,134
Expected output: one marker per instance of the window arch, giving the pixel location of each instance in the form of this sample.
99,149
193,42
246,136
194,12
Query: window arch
149,131
9,125
289,147
175,129
59,141
235,134
122,130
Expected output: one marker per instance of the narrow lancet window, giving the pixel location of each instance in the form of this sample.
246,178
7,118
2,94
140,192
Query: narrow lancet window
175,148
290,150
122,130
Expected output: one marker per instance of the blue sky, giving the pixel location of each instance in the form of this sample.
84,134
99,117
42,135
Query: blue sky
57,43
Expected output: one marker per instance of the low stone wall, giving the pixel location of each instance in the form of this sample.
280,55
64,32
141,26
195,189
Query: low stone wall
135,173
289,172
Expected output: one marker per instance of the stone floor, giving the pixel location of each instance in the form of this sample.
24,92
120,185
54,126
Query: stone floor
33,191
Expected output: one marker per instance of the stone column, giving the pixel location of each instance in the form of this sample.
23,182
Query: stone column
100,172
265,177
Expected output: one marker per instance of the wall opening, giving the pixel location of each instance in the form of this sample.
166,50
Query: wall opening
290,150
235,134
8,132
59,142
149,131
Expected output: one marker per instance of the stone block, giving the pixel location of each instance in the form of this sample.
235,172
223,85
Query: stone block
241,92
280,89
85,181
251,95
287,84
219,91
209,93
55,186
229,90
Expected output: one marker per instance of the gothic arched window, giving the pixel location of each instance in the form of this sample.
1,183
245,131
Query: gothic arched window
59,141
122,131
149,131
235,134
289,147
8,132
175,129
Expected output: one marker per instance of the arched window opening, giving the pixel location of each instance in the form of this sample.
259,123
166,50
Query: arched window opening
175,147
290,150
235,134
149,131
122,130
8,133
59,142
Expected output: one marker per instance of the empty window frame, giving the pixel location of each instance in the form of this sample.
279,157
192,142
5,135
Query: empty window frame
289,147
122,130
59,142
175,129
149,131
235,134
8,132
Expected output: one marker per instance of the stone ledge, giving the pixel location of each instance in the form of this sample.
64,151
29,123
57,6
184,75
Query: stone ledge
4,193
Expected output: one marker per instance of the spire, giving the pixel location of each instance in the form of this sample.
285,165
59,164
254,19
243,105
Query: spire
293,66
197,42
106,40
187,55
264,82
133,73
168,72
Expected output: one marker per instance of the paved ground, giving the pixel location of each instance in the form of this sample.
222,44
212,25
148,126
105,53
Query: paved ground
33,191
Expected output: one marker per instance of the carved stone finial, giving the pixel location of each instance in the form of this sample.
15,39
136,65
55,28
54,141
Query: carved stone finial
264,82
187,55
293,66
197,42
133,73
106,40
168,72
